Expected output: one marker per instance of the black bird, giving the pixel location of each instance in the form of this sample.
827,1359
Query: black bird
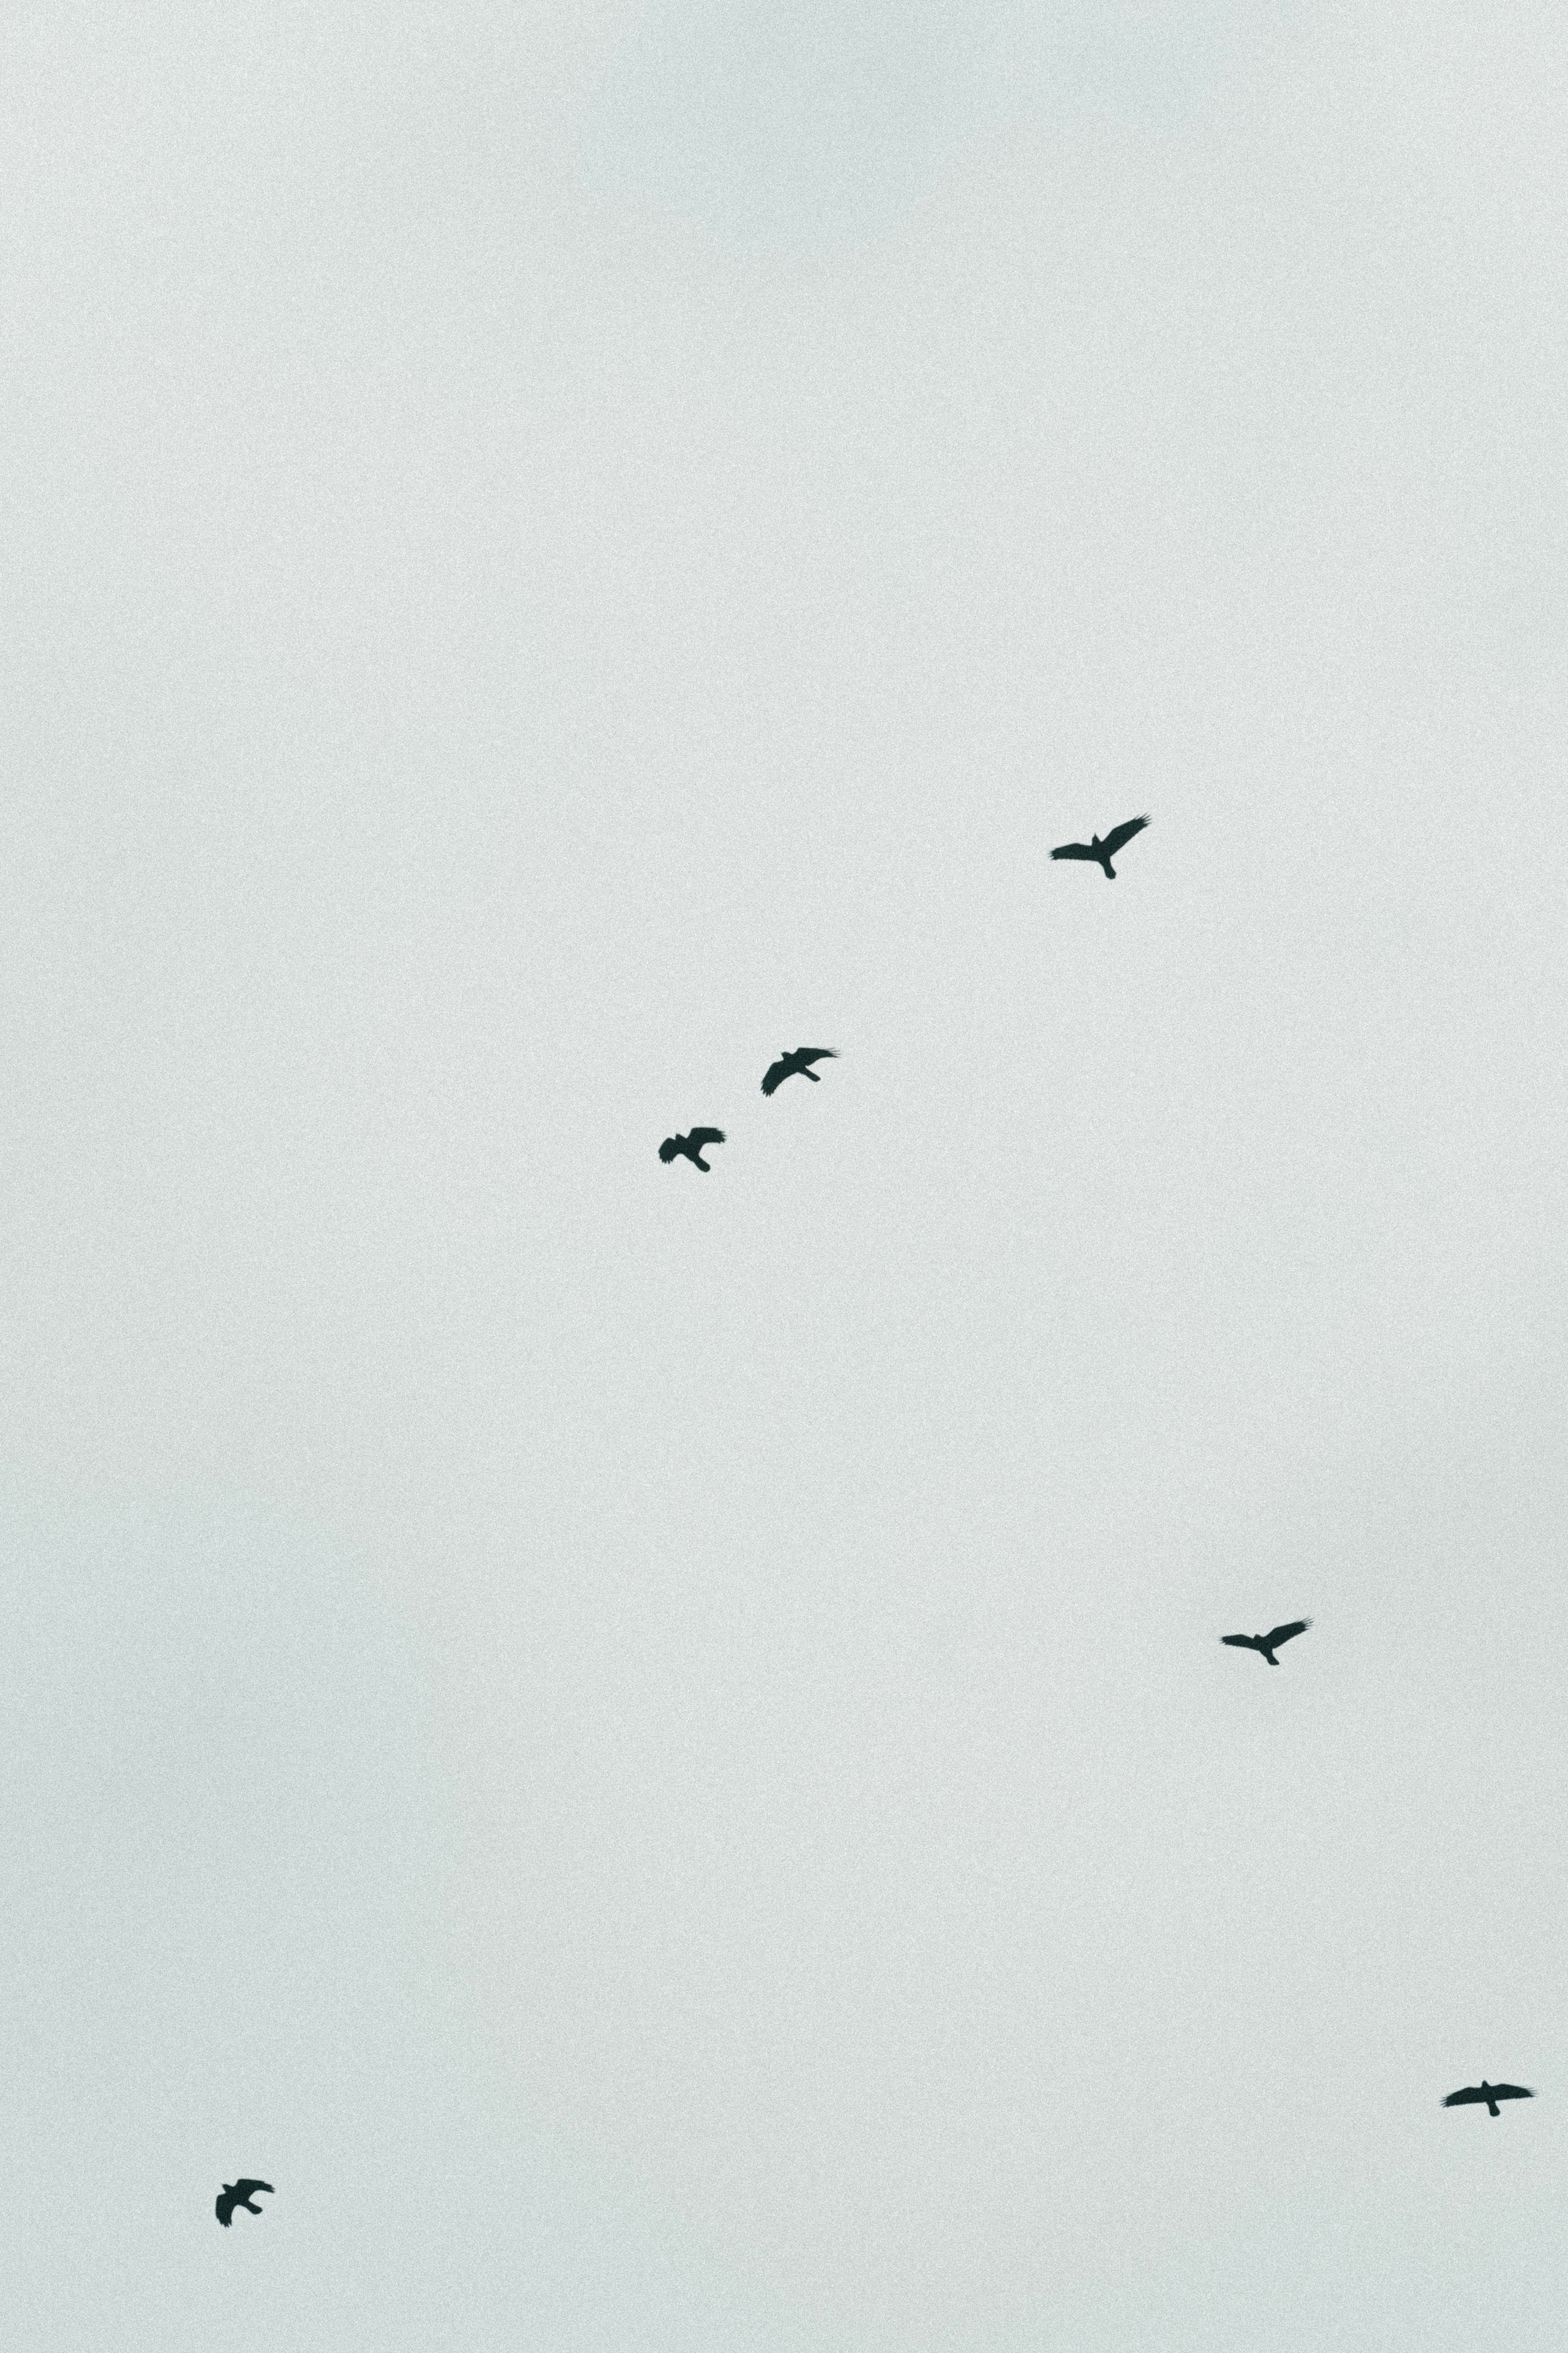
238,2193
1267,1642
1491,2093
788,1064
693,1145
1101,853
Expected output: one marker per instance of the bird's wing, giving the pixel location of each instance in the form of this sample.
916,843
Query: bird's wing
244,2189
223,2208
669,1147
1288,1633
1510,2092
1241,1641
776,1075
816,1053
1472,2092
1075,849
1120,833
703,1135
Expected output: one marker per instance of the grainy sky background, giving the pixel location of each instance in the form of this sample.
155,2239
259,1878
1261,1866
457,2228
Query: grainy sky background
650,1749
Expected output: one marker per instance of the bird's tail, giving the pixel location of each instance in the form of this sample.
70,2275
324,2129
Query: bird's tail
1271,1659
1493,2109
1110,870
814,1076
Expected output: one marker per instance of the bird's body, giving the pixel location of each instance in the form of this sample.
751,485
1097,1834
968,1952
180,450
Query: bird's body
789,1066
1491,2093
691,1146
238,2193
1101,853
1266,1644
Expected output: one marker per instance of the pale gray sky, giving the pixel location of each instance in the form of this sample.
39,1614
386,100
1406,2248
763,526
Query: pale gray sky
653,1750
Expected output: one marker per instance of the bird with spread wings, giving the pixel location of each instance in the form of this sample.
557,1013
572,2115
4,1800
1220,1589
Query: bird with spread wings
1101,853
692,1148
789,1065
1266,1644
1491,2093
238,2193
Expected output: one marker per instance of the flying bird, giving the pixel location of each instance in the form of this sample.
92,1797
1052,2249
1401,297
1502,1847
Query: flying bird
1267,1642
1491,2093
693,1145
1101,853
788,1064
238,2193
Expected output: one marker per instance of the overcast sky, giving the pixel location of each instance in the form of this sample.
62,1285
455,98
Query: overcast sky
652,1749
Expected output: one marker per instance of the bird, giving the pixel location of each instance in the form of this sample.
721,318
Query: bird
788,1064
1101,853
1267,1642
1491,2093
238,2193
693,1145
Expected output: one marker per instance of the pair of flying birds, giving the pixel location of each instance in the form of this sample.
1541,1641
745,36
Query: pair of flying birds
241,2193
788,1066
1473,2094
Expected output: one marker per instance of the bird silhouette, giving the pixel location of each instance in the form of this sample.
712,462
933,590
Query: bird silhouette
1267,1642
693,1145
788,1065
1491,2093
1101,853
238,2193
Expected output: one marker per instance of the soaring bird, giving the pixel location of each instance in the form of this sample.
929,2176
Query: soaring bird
1491,2093
1101,853
693,1145
1267,1642
788,1064
238,2193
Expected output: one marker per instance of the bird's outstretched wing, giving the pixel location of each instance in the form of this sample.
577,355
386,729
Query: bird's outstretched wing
244,2189
1472,2092
702,1136
669,1147
1241,1641
1076,849
1510,2092
788,1064
223,2208
1120,833
1288,1633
